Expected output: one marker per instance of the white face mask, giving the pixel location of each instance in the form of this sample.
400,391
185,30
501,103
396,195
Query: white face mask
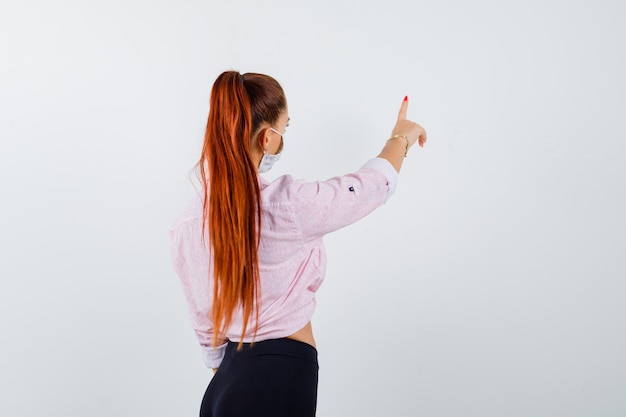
268,160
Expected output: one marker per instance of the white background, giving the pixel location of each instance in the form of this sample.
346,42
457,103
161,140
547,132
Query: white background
492,284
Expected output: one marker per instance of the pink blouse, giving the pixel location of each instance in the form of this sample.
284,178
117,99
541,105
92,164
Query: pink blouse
292,262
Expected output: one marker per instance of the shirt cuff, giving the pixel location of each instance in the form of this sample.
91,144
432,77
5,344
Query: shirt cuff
385,167
212,356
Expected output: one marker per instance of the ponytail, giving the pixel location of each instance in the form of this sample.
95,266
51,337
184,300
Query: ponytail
232,197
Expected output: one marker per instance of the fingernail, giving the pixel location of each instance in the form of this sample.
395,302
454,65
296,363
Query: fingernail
406,98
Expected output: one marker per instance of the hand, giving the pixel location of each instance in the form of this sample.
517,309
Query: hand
405,127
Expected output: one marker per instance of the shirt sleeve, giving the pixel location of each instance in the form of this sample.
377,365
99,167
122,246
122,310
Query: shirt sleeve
325,206
213,356
191,262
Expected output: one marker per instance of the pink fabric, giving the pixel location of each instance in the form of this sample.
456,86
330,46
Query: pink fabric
292,262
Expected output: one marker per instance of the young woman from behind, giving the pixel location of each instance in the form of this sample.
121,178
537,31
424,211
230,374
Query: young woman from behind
250,255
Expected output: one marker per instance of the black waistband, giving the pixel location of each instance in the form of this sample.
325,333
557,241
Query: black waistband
284,347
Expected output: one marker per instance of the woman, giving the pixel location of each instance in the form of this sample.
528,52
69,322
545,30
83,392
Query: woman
250,255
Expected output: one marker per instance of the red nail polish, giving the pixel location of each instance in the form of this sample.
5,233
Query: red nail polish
406,98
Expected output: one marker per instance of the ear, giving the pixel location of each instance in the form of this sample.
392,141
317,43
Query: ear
264,138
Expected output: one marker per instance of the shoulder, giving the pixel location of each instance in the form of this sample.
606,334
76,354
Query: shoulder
279,190
191,215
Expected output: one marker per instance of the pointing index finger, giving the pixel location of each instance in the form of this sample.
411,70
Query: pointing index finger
403,108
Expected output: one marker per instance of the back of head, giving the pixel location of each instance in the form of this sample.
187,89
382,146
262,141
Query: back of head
240,106
266,97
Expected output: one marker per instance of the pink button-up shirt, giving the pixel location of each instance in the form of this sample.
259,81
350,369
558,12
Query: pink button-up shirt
292,262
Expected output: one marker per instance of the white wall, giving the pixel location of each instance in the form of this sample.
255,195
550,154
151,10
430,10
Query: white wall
491,284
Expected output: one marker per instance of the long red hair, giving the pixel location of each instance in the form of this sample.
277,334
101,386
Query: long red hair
240,106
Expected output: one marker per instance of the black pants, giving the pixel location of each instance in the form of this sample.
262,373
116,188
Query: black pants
272,378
